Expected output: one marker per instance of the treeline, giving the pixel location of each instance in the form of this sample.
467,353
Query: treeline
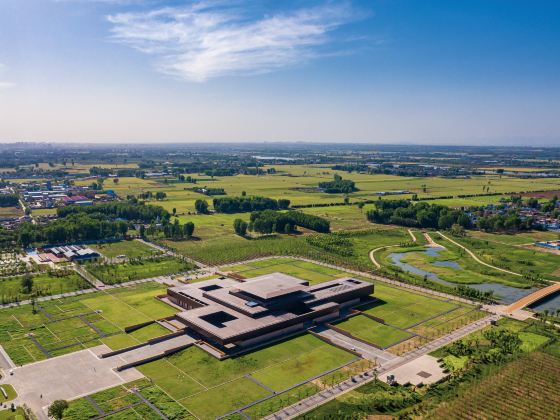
209,191
509,221
129,211
269,221
71,229
8,200
338,185
405,213
247,204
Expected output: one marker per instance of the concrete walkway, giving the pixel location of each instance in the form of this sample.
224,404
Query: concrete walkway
156,349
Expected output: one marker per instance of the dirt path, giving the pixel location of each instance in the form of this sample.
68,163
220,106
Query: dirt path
372,258
411,233
431,242
478,260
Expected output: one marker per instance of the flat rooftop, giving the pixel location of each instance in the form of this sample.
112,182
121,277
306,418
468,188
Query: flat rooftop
272,286
228,310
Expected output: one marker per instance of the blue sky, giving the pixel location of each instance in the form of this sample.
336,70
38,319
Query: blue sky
377,71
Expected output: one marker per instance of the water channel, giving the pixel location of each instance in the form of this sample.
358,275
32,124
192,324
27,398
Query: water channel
505,294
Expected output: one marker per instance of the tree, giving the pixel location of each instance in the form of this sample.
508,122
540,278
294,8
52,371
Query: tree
27,283
160,195
240,227
115,181
142,231
56,409
188,229
201,206
174,211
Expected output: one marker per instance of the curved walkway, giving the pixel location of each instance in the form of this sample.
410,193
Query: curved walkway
533,297
478,260
372,258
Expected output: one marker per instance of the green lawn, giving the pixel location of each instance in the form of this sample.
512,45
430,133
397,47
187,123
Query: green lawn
209,387
12,394
224,398
117,398
44,284
402,308
373,332
8,414
119,273
63,331
304,366
132,249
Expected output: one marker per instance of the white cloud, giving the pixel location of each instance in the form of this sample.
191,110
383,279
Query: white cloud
207,40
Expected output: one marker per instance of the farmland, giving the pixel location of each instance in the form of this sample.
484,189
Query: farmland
524,389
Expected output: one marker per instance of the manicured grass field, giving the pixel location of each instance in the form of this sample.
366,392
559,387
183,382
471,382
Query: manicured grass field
373,332
44,284
127,405
402,308
65,325
208,387
10,391
8,414
123,272
304,270
132,249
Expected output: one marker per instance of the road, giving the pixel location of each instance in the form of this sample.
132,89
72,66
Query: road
326,395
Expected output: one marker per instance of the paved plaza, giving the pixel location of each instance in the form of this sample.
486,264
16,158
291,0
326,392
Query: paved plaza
67,377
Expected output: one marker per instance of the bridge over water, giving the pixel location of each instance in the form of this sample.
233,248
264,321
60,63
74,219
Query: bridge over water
533,297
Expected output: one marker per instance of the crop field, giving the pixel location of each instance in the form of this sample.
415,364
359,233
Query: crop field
44,284
230,249
132,249
10,212
526,388
62,326
208,388
299,184
136,270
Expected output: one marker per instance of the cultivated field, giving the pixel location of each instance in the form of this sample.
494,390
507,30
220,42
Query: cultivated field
526,388
138,269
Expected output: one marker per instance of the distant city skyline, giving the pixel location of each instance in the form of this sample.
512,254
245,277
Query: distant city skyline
480,72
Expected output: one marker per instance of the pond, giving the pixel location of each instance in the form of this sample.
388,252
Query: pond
505,294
